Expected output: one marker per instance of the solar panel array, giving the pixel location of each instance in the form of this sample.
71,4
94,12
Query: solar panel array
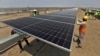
55,29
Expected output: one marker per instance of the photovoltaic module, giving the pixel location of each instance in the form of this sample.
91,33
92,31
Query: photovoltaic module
55,28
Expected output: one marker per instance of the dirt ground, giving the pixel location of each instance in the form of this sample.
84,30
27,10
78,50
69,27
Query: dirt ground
90,47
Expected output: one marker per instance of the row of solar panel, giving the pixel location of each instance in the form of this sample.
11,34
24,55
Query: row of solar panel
70,20
29,20
48,30
56,28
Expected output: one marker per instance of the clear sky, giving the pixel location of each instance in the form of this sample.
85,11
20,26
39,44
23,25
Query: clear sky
49,3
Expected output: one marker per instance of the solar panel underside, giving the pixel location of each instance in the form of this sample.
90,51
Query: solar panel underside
54,29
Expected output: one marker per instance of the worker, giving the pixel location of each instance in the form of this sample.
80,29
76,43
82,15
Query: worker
88,12
96,14
82,30
35,12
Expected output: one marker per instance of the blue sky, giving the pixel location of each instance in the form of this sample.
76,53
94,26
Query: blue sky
50,3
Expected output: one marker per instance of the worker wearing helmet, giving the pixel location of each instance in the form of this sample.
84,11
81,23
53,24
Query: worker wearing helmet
86,17
35,12
82,30
88,12
96,14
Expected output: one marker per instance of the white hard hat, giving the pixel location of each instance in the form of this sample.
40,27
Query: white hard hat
34,10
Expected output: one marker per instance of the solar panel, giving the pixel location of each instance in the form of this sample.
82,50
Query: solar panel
55,30
52,31
43,16
64,19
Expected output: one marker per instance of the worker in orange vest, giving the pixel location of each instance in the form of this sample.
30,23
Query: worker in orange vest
82,30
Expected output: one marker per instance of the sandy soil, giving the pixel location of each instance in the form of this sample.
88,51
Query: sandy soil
91,46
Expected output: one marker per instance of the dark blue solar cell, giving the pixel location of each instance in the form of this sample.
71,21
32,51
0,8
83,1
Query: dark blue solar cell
55,40
41,35
46,36
46,31
32,32
50,38
62,30
16,25
69,37
66,31
50,32
54,33
44,16
58,35
64,36
71,32
67,44
28,31
61,41
37,33
63,19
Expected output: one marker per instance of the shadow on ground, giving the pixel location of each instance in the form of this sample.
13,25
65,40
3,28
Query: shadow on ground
43,49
